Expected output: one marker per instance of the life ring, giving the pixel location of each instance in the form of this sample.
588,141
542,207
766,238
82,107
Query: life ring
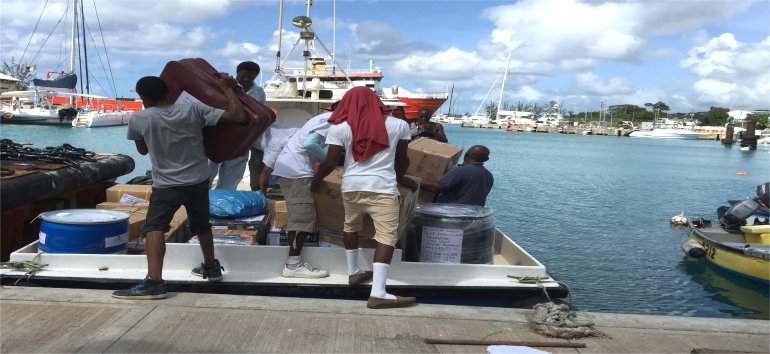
7,115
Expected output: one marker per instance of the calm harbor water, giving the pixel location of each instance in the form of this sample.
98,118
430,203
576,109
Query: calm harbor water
594,209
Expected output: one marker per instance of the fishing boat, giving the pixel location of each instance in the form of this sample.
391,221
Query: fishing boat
321,78
256,269
739,242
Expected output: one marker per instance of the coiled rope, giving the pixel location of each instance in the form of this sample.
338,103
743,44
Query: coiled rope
556,320
29,268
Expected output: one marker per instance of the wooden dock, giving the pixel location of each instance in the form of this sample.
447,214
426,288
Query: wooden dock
75,320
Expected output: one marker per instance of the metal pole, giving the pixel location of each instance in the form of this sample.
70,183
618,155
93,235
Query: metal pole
278,69
502,87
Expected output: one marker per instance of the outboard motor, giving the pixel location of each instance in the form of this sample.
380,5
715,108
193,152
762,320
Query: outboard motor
733,218
763,195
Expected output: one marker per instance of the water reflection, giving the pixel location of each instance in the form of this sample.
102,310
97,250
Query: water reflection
745,298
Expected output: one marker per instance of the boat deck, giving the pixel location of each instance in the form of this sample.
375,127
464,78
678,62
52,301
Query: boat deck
256,270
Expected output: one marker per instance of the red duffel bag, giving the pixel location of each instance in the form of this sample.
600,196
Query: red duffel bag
196,78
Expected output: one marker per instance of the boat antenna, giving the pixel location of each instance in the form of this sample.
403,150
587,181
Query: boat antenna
278,69
502,87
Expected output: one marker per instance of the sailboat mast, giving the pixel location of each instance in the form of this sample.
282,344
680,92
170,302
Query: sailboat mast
280,33
502,87
85,49
74,35
73,43
451,93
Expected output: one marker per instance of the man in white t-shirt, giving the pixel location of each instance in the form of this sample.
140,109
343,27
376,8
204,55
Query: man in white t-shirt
294,168
374,145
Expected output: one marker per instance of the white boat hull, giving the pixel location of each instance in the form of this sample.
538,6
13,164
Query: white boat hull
258,268
101,119
666,134
27,115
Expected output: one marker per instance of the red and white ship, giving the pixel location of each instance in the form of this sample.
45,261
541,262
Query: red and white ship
326,83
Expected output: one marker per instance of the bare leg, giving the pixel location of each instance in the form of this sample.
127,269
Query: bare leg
156,250
207,247
296,241
350,240
383,253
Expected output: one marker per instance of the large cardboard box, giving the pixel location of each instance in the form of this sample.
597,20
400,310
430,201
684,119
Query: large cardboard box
137,216
430,159
137,190
135,227
279,214
330,212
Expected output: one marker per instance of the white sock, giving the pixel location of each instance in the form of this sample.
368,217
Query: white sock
293,262
352,256
378,281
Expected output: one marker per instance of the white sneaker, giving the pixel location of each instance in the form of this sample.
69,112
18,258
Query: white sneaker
304,271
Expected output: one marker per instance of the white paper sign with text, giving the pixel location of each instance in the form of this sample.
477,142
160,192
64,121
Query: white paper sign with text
441,245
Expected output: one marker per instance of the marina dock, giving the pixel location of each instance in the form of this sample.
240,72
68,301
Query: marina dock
77,320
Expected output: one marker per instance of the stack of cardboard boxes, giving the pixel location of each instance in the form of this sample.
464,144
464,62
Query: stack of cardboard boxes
139,195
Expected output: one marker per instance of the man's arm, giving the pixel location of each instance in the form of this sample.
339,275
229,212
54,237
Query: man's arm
234,114
327,166
432,186
438,133
401,164
264,178
141,147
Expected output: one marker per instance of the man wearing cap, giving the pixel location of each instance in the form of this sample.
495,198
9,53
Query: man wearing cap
468,183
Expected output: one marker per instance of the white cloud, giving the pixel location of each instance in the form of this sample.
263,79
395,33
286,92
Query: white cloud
577,64
731,73
589,83
233,49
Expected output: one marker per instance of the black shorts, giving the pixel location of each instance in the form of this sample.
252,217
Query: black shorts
164,202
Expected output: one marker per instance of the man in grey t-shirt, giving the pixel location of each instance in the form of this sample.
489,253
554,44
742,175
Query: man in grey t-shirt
172,134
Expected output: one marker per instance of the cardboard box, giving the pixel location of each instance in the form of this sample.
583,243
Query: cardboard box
111,205
279,214
330,212
430,159
137,190
327,238
136,220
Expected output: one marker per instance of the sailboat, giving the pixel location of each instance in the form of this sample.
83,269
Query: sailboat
60,99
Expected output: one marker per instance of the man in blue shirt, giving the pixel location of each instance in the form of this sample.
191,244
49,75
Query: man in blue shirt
468,183
231,171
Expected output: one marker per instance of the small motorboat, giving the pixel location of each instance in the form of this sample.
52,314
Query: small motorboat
739,242
514,275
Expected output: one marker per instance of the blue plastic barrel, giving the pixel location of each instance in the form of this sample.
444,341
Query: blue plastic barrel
88,231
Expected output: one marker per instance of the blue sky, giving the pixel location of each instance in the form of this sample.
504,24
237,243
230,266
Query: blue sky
688,54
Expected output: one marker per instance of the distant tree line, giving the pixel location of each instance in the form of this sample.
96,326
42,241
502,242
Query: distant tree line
615,114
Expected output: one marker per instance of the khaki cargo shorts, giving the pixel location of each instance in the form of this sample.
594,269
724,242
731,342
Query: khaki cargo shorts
300,203
383,208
